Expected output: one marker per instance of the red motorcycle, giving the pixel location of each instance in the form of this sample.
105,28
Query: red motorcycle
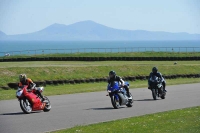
30,101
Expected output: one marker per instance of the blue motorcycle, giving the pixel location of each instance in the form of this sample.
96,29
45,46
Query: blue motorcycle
118,95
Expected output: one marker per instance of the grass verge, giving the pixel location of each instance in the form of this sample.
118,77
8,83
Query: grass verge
39,71
110,54
177,121
91,87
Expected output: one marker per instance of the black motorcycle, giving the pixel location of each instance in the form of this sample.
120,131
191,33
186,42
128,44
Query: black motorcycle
157,87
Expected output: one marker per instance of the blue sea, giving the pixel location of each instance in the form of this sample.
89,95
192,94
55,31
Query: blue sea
46,47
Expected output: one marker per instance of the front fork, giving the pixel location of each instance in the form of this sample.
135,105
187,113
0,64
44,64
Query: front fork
159,92
115,96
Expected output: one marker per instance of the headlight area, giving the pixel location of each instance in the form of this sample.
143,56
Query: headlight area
109,91
19,93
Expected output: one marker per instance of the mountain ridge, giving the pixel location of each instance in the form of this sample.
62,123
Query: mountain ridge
90,30
2,33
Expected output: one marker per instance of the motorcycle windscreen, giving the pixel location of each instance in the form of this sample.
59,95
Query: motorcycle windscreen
153,78
19,93
126,83
115,87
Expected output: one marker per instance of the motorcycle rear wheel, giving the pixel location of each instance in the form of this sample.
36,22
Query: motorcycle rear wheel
163,96
47,107
130,102
25,106
163,93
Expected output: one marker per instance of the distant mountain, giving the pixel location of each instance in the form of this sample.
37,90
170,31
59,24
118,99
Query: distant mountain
2,34
89,30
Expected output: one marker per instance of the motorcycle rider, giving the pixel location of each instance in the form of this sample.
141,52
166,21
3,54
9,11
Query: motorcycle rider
27,81
157,74
113,77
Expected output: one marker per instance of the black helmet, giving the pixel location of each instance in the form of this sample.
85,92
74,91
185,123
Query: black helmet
154,69
112,74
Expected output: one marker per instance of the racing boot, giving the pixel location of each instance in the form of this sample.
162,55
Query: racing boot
127,91
40,95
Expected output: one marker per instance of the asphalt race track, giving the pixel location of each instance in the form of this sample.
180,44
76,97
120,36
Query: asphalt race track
86,108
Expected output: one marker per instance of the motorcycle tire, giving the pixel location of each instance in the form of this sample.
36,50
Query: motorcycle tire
163,93
163,96
23,105
154,94
47,107
113,101
130,102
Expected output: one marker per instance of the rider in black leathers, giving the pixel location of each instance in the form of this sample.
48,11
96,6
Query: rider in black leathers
113,77
157,74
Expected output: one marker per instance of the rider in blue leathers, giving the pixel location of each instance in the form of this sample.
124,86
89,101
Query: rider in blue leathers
113,77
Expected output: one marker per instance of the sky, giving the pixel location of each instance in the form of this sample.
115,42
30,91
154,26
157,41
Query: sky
26,16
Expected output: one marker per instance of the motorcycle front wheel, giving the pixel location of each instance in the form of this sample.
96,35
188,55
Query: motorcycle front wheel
114,102
154,94
25,106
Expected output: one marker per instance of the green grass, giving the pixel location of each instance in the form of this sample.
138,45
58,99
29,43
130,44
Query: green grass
177,121
109,54
91,63
38,71
91,87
